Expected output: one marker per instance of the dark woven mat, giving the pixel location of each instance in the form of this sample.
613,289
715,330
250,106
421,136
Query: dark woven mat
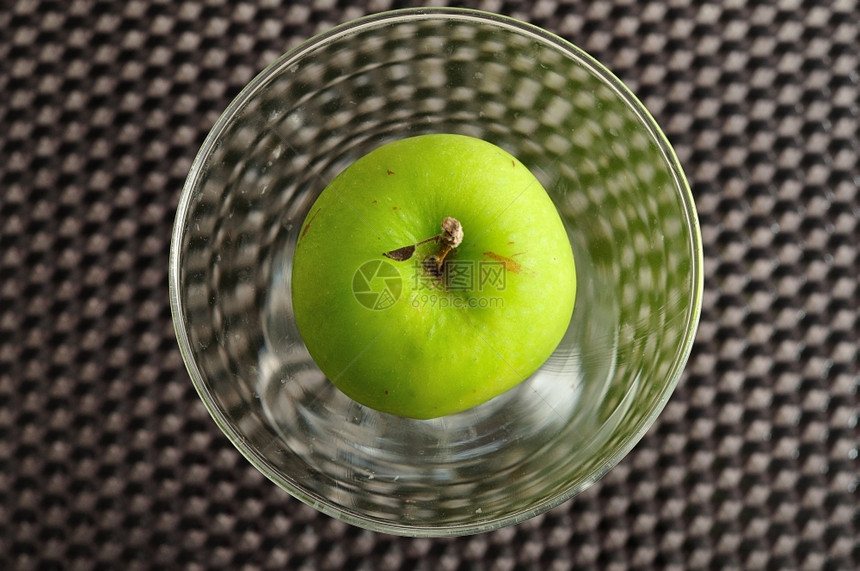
107,458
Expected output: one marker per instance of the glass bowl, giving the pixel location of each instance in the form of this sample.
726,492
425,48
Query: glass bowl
608,168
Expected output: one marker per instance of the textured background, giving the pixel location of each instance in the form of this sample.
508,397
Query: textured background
108,459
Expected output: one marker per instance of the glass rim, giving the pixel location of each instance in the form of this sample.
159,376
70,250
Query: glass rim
568,50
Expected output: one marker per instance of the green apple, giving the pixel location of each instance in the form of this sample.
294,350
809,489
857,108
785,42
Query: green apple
432,275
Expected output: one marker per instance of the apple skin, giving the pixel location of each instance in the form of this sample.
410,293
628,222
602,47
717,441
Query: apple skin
424,356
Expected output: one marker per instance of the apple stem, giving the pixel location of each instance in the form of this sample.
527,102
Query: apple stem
451,237
452,232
